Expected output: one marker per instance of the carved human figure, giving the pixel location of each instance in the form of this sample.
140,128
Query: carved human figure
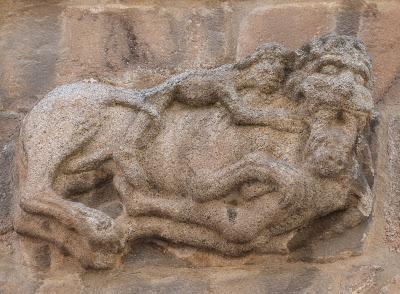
228,159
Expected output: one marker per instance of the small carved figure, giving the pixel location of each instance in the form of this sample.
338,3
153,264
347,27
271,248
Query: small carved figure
233,159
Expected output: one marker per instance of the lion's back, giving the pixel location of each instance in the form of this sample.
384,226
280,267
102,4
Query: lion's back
69,118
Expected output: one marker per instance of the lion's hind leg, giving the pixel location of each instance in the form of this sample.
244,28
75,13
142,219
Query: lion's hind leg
71,221
68,240
48,202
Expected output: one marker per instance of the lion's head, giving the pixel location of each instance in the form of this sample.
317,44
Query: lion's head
333,71
332,81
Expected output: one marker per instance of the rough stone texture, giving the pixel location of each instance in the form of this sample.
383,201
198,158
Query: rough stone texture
270,24
9,126
6,186
143,43
392,215
44,44
378,29
245,157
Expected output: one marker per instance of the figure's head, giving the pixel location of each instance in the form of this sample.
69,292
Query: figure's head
332,81
264,69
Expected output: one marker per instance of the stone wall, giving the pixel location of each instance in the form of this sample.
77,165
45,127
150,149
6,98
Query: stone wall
138,44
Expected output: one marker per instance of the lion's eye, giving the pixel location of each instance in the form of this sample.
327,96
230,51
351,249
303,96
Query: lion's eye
359,79
340,116
329,69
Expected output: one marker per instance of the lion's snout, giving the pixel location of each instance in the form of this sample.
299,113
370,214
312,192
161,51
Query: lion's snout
328,162
330,146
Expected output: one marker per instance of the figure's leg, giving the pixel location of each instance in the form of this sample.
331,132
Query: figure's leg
211,185
254,167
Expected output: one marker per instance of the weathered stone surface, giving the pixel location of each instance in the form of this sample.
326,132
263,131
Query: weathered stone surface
28,38
325,243
299,280
9,126
348,17
139,44
379,30
283,146
6,187
288,24
393,164
69,283
392,287
361,279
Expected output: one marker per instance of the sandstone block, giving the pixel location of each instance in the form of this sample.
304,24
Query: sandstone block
130,42
28,46
379,29
392,205
288,24
9,125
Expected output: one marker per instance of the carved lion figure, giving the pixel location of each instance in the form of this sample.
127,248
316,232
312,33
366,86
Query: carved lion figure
233,159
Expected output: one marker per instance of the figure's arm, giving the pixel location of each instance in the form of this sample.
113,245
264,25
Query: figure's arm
242,114
198,88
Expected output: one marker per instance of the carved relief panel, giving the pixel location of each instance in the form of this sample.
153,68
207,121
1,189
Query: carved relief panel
235,159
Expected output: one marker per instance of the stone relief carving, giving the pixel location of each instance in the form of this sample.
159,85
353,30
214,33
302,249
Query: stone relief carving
234,159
